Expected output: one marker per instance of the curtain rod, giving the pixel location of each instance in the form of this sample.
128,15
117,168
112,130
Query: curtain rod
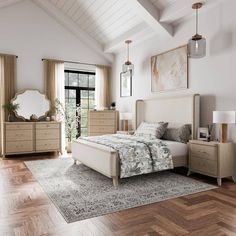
74,62
4,54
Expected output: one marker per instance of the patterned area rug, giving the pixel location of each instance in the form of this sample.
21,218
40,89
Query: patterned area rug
80,193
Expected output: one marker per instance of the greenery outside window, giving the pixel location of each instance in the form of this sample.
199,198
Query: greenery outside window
80,89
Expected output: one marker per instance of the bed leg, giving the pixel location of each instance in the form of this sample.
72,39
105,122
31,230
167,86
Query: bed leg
75,161
115,181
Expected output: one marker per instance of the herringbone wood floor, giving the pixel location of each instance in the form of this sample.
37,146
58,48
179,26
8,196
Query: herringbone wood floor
25,210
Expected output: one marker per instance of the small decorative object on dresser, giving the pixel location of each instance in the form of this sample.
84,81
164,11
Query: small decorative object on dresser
113,106
224,118
212,159
10,108
203,133
102,122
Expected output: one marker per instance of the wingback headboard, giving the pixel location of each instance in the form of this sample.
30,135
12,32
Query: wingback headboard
179,109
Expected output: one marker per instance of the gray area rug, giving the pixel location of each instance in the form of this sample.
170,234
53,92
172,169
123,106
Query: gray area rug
80,193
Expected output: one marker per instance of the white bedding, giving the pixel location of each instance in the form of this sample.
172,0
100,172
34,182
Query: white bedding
177,148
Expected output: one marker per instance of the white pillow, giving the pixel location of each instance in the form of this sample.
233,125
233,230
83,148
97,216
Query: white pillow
151,130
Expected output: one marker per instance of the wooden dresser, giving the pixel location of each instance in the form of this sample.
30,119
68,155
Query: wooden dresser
31,137
102,122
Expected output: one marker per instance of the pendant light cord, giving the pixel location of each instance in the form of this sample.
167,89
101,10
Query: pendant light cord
128,51
197,21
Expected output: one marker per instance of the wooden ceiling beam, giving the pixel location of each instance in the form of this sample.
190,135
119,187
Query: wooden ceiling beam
151,15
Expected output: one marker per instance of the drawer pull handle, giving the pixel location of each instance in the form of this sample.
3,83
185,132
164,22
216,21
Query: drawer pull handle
203,152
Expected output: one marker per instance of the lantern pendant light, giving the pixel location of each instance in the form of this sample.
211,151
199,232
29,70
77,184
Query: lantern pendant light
197,44
128,66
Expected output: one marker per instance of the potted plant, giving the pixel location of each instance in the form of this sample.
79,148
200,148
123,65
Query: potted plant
113,106
71,116
10,108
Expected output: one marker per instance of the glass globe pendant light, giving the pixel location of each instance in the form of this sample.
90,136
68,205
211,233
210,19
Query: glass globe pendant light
128,66
197,44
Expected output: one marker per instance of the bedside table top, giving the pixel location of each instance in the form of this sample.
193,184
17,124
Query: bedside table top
211,143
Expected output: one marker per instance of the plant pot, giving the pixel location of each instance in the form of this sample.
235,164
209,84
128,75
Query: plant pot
68,147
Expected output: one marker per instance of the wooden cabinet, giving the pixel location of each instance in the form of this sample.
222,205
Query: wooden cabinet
102,122
211,158
31,137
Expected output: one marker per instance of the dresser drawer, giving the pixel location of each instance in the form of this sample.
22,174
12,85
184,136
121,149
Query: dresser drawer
203,165
44,134
103,122
47,125
20,146
102,115
201,151
102,129
19,135
47,145
20,126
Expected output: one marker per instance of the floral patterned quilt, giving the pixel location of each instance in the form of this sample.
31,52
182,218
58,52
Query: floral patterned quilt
138,155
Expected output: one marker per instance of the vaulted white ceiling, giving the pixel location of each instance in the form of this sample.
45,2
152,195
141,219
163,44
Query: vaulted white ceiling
104,25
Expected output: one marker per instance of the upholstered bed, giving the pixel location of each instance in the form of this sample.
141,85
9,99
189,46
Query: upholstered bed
179,109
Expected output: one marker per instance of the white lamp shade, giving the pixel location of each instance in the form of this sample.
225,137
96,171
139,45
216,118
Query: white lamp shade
224,117
125,116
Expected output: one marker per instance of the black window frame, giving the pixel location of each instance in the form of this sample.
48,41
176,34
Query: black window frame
79,89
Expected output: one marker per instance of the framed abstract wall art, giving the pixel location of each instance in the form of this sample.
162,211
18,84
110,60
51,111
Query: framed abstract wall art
169,70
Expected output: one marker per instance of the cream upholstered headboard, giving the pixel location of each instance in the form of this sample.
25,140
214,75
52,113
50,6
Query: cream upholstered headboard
179,109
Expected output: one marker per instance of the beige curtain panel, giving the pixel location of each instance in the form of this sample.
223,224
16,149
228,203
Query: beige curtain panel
7,88
102,97
54,85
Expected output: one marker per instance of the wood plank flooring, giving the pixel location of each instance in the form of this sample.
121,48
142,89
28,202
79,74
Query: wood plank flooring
25,210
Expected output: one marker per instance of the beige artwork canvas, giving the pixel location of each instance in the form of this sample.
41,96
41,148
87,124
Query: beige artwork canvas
169,70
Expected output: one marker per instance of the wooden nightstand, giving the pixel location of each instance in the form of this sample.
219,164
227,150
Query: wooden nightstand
212,159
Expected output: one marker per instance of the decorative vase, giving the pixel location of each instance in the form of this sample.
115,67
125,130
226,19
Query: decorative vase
53,118
68,147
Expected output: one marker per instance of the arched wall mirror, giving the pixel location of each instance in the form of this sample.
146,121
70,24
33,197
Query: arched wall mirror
31,102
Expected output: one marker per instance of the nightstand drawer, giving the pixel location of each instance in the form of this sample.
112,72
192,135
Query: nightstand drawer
203,165
201,151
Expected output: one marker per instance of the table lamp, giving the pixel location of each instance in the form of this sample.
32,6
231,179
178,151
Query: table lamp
125,117
224,118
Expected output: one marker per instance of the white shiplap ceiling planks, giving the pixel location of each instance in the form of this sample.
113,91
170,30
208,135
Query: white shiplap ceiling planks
104,20
6,3
105,24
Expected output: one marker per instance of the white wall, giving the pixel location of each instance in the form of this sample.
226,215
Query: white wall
27,31
214,76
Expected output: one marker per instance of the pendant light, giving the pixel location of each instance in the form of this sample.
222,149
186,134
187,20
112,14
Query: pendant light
197,44
128,66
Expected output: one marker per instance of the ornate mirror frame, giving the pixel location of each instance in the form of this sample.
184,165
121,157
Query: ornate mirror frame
13,100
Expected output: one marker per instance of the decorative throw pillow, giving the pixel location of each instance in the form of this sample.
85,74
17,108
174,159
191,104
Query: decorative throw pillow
151,130
178,132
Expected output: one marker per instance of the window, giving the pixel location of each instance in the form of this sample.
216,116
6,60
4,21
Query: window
80,89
